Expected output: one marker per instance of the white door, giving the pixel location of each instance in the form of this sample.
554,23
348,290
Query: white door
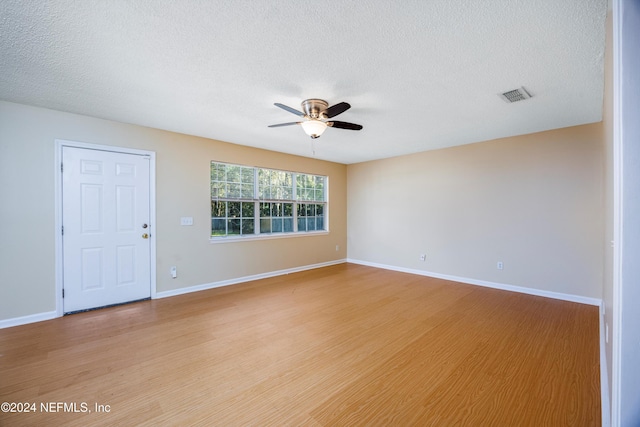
106,230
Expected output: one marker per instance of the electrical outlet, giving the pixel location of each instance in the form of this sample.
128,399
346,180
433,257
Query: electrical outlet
423,257
337,248
186,220
500,265
174,272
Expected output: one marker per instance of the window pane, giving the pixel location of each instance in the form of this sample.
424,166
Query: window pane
234,209
233,173
263,176
287,225
276,225
248,209
215,190
233,226
218,227
302,209
288,209
220,190
247,226
218,209
218,171
275,184
263,184
276,193
233,190
311,210
247,191
310,187
311,224
319,223
287,193
302,224
319,210
265,225
265,210
247,175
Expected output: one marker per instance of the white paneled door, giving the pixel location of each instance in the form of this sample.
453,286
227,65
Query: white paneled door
106,229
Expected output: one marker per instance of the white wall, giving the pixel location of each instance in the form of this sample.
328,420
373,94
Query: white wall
533,202
607,284
27,167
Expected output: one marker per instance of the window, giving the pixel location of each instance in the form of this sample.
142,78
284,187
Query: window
248,201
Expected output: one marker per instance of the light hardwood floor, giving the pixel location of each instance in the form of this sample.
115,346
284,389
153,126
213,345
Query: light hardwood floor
337,346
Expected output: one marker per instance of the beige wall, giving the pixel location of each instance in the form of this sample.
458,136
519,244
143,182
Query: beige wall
533,202
27,253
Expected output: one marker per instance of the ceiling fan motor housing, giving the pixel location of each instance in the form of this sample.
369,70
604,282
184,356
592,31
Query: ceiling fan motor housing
313,107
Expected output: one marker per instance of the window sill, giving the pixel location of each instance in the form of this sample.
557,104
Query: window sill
229,239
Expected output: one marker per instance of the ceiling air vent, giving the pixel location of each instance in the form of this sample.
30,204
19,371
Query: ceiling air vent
515,95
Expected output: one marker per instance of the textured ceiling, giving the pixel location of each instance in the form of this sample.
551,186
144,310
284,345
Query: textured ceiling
419,75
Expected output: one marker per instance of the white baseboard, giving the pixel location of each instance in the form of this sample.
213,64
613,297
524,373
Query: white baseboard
235,281
32,318
502,286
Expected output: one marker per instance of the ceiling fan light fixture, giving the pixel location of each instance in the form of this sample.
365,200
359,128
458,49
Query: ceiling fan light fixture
313,128
316,113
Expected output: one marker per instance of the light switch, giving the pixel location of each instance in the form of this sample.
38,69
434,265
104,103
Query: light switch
186,220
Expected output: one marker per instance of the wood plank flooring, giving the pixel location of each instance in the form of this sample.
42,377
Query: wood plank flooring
345,345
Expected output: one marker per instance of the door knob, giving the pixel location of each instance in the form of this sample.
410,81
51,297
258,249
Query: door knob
144,225
145,236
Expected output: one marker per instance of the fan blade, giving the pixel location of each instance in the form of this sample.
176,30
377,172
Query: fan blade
289,109
284,124
344,125
334,110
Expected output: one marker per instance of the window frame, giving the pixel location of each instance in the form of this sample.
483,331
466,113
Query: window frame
258,200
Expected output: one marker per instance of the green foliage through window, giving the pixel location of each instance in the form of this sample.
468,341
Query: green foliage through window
257,201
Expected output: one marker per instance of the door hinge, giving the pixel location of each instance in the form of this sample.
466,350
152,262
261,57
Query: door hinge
61,167
63,230
62,292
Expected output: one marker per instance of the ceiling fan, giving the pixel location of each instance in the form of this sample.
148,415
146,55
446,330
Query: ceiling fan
316,113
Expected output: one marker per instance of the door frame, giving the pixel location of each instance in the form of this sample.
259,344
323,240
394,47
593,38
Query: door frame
59,268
